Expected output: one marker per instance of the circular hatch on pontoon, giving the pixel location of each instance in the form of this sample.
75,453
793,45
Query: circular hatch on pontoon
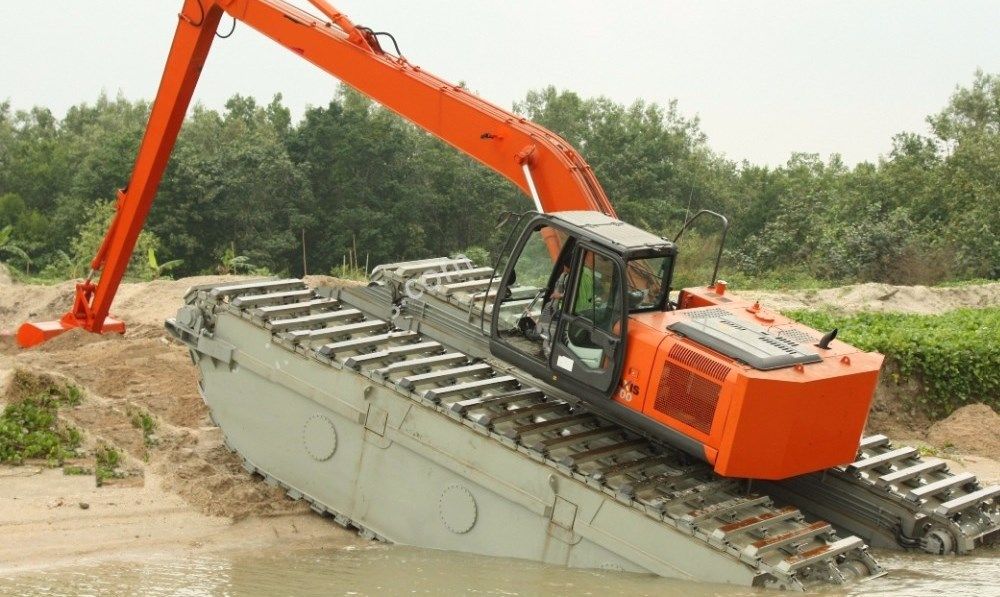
458,509
319,437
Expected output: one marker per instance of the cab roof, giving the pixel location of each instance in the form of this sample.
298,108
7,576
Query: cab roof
619,235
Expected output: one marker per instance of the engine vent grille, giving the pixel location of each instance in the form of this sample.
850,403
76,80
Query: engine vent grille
686,396
709,367
798,336
706,313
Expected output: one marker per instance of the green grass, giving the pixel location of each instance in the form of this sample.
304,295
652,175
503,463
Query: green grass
348,272
955,356
969,282
72,395
76,470
106,463
30,429
24,384
788,279
143,420
29,425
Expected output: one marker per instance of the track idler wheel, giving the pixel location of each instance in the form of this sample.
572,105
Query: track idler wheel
938,542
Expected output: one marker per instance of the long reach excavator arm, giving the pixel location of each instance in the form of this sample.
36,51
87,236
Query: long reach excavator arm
538,161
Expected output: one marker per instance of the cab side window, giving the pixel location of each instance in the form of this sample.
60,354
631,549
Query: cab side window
559,310
529,305
596,291
589,345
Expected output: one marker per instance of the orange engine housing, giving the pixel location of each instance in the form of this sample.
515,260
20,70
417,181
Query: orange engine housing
751,423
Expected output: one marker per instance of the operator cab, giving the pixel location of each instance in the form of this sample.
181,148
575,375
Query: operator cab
568,286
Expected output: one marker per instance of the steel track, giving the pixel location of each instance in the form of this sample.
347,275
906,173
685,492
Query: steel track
891,496
779,542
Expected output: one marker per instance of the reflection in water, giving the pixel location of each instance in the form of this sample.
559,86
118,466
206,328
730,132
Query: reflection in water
394,570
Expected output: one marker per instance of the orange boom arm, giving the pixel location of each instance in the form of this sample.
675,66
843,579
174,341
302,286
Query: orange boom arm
541,164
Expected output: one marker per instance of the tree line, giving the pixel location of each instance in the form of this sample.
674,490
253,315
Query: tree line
350,183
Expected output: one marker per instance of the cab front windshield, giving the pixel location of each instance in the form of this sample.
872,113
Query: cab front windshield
647,282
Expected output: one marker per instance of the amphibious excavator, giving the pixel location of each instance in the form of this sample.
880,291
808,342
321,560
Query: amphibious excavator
565,403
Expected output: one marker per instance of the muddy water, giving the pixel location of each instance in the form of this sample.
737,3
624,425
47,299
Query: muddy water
381,570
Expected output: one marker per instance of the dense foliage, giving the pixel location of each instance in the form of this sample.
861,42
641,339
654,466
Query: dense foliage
955,356
30,427
246,186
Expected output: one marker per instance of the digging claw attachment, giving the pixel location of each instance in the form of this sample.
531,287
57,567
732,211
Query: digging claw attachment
80,316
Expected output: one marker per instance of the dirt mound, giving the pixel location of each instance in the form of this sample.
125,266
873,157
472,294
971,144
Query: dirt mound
152,302
880,297
21,302
210,477
143,373
152,372
185,451
894,412
137,303
971,429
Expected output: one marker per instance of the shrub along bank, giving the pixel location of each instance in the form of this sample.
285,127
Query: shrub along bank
29,424
954,356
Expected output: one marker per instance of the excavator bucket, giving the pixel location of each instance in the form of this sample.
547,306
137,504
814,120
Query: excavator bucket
34,333
80,316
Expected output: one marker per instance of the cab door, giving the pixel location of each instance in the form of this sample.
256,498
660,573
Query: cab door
588,348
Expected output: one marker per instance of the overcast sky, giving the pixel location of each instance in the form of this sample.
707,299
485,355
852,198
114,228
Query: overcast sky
765,78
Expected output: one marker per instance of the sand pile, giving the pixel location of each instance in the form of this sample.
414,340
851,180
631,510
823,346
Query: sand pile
142,373
20,302
880,297
139,304
184,451
971,429
184,491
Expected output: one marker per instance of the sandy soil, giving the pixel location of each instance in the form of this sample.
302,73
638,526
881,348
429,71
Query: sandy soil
186,491
970,429
48,519
880,297
189,492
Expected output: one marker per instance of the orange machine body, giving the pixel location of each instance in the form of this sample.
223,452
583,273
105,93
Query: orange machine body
770,424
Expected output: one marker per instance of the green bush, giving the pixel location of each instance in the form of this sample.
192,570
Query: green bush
30,429
478,255
955,356
42,388
106,463
782,278
146,422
